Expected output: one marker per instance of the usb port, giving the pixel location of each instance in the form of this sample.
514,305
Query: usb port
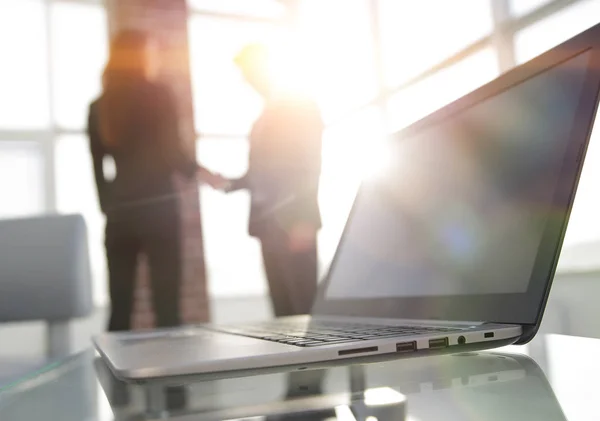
438,343
406,346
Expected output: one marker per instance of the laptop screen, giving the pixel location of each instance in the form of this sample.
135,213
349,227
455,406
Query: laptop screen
466,204
463,205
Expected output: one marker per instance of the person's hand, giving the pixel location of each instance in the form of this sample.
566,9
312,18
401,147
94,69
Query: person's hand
302,237
216,181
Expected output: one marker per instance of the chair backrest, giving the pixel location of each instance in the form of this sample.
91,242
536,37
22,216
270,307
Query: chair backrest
44,269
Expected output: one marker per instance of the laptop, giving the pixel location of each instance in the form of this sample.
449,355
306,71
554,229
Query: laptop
452,247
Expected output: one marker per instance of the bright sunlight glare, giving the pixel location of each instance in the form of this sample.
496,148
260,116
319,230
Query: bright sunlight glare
383,396
290,72
344,413
376,158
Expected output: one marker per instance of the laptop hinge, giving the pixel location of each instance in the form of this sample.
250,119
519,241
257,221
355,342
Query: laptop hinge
443,322
408,321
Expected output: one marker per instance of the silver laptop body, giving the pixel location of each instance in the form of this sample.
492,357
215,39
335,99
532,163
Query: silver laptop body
452,247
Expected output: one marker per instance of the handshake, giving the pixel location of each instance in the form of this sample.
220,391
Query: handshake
216,181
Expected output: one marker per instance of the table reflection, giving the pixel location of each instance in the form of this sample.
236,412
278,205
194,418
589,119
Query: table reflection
484,386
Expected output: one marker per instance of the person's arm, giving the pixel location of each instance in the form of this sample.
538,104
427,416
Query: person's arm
98,152
243,182
236,184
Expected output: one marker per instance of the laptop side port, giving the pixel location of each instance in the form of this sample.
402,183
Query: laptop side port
358,350
438,343
406,346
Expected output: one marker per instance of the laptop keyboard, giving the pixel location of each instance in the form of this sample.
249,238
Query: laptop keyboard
325,333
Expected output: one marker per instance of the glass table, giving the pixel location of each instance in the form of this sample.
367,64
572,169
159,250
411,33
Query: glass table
556,381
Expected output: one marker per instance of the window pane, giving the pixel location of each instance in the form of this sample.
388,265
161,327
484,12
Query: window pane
259,8
76,193
79,51
422,98
21,179
416,35
225,224
24,100
223,103
337,36
352,149
555,29
520,8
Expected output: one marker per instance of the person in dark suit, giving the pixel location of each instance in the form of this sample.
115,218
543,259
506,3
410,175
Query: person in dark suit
136,123
283,181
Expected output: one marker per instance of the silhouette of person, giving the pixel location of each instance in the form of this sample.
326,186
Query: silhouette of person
136,123
283,181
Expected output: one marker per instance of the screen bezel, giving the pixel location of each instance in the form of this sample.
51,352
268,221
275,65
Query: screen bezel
521,308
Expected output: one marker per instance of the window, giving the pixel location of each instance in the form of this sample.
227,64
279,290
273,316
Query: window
225,224
416,35
337,38
223,103
555,29
24,93
257,8
21,179
79,51
449,84
76,193
520,8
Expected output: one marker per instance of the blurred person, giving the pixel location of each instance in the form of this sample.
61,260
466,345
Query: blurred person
135,122
283,180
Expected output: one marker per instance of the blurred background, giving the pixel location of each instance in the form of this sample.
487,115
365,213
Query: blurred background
376,66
